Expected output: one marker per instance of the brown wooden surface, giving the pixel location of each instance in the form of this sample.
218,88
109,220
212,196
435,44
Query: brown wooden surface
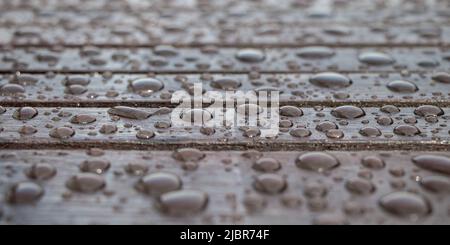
111,43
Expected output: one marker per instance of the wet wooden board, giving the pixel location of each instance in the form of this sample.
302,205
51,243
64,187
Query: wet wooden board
274,34
295,89
408,127
218,60
228,178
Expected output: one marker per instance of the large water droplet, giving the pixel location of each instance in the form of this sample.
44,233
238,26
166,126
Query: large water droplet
11,89
330,80
183,202
441,77
315,52
291,111
188,154
270,183
250,55
146,86
196,116
373,162
62,133
145,134
129,112
370,132
86,183
406,130
41,171
24,193
401,86
360,186
225,83
82,119
428,110
25,113
436,184
405,204
348,112
95,166
376,58
433,162
316,161
267,165
158,183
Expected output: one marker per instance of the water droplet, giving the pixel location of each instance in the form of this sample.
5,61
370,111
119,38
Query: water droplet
24,193
159,183
76,80
300,132
405,204
82,119
146,86
108,129
188,154
348,112
335,134
370,132
325,126
315,52
316,161
373,162
250,55
183,202
95,166
433,162
385,120
251,132
291,111
401,86
145,134
360,186
196,116
390,109
428,110
270,183
62,133
40,171
406,130
330,80
376,58
136,168
86,183
226,84
25,113
436,184
441,77
76,89
11,89
129,112
165,50
27,130
267,165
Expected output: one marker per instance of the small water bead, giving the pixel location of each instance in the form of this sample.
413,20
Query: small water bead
407,130
136,168
436,184
76,80
385,120
95,166
183,202
62,133
250,55
285,124
376,58
24,79
390,109
95,152
188,154
249,109
325,126
145,134
300,132
330,80
159,183
348,112
370,132
427,110
317,161
441,77
315,190
86,183
401,86
225,84
108,129
373,162
435,163
40,171
146,86
335,134
252,132
25,113
291,111
165,50
83,119
129,112
254,202
315,52
196,116
27,130
405,204
270,183
24,193
360,186
76,89
267,164
11,89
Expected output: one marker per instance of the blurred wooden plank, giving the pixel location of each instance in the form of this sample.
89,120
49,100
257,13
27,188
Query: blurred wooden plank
211,59
227,178
295,89
409,130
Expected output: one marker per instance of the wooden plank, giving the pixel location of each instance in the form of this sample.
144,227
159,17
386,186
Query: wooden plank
272,34
299,89
223,60
326,128
359,190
